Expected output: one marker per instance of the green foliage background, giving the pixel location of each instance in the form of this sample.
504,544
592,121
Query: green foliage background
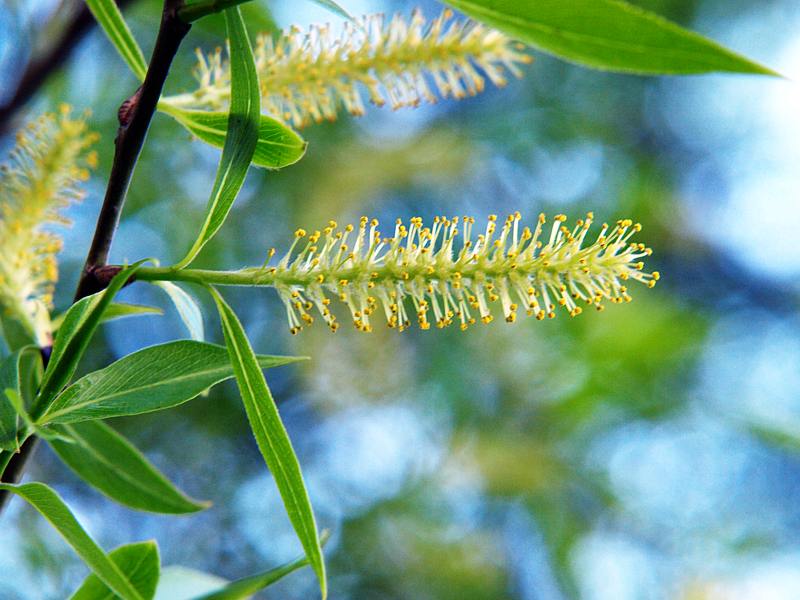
646,452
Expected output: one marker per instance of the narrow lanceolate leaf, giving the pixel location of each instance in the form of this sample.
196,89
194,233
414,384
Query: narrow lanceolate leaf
240,141
273,441
246,587
107,461
11,389
52,508
151,379
187,307
116,29
608,34
73,338
277,146
116,310
140,563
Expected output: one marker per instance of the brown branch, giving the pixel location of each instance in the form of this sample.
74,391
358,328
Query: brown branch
135,116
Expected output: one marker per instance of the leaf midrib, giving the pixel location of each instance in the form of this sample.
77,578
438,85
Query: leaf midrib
49,416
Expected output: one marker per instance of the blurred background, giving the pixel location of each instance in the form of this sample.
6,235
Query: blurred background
651,451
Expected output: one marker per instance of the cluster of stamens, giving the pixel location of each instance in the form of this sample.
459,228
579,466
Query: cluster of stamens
306,76
40,179
447,273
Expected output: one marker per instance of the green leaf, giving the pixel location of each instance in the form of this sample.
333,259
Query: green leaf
116,29
242,134
246,587
107,461
52,508
273,441
187,307
74,336
151,379
11,381
117,310
278,145
140,563
608,34
335,8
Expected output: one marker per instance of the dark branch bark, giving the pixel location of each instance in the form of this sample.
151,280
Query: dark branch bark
134,123
51,60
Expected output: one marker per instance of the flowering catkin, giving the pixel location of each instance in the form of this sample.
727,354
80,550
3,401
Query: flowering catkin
307,76
40,179
451,272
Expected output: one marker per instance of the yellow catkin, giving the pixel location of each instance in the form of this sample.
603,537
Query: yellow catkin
307,76
40,179
448,273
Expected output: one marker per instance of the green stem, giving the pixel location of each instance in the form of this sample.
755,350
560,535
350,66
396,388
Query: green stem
269,277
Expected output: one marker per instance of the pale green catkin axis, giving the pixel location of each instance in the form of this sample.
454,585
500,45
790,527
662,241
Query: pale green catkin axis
448,269
307,76
40,179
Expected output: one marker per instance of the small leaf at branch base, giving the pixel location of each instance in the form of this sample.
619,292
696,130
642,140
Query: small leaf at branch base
52,508
11,389
75,333
608,34
140,563
107,461
272,438
117,310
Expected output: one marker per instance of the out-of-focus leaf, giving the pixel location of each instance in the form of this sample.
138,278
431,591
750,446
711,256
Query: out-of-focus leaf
242,132
187,307
151,379
278,145
272,438
74,336
140,563
608,34
107,461
335,8
182,583
117,310
52,508
116,29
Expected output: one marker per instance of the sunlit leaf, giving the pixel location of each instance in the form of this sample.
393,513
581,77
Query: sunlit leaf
242,132
107,461
110,19
52,508
278,144
151,379
273,441
187,307
140,563
608,34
